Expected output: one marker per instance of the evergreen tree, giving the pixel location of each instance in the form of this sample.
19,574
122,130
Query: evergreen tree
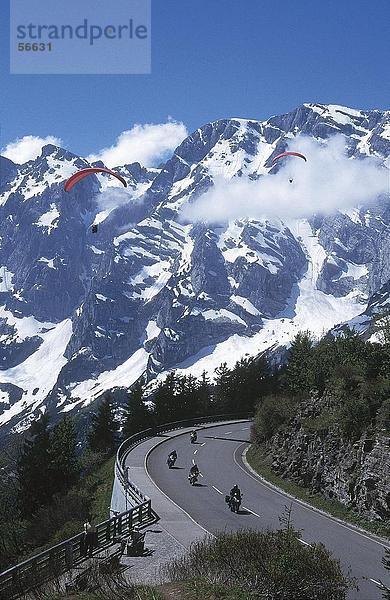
224,392
166,401
33,468
249,383
204,396
64,464
298,372
137,415
188,397
101,437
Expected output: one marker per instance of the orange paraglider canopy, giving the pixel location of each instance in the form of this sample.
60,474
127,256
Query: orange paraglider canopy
79,175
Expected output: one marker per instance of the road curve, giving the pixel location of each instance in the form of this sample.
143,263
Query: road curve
218,453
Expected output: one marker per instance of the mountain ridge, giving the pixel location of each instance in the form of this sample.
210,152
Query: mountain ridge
150,292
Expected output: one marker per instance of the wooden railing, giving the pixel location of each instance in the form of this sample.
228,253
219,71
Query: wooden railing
55,561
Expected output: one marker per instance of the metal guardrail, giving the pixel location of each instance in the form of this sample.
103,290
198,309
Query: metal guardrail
55,561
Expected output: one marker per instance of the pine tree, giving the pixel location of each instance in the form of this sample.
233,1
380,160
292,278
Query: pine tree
299,376
187,399
224,392
166,401
33,468
64,464
137,415
204,395
101,437
248,383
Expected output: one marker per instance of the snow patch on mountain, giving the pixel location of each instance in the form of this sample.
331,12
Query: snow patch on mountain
49,219
37,375
123,376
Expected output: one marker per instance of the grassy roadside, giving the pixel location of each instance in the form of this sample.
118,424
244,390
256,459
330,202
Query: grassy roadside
197,589
261,464
95,491
101,484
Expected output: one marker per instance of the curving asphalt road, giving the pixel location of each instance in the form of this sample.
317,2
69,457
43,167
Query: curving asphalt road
218,453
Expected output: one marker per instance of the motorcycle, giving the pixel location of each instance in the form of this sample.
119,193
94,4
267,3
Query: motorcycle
194,437
234,503
193,478
171,461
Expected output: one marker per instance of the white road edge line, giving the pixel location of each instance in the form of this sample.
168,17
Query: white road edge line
203,444
319,512
217,490
195,451
378,583
251,511
303,542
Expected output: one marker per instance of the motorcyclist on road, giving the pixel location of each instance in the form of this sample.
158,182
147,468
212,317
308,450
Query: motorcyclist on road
194,436
193,474
172,459
235,492
194,470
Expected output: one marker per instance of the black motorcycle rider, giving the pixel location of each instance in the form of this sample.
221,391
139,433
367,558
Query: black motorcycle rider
172,457
194,473
235,491
194,436
235,496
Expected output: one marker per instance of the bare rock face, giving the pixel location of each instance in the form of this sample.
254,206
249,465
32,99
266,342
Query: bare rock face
357,474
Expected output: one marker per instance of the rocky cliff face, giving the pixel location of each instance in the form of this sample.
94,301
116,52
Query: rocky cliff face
81,312
357,474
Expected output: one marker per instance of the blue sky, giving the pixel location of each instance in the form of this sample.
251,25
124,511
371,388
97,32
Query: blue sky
212,59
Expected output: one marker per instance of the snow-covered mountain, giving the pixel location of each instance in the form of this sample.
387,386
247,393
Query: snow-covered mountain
83,312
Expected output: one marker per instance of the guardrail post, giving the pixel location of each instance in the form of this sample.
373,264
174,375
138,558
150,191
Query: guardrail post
69,555
15,580
108,529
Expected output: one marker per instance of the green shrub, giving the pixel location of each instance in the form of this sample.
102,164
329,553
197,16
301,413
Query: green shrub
321,423
383,418
353,417
265,564
270,415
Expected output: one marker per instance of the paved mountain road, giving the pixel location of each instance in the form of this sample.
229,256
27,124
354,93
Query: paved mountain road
218,453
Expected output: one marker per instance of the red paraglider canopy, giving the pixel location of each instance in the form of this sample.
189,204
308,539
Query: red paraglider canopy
290,154
79,175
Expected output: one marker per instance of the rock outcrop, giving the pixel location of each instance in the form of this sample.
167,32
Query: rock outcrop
311,451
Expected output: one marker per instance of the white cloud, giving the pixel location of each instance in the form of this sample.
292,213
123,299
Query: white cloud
112,197
28,147
327,182
146,144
